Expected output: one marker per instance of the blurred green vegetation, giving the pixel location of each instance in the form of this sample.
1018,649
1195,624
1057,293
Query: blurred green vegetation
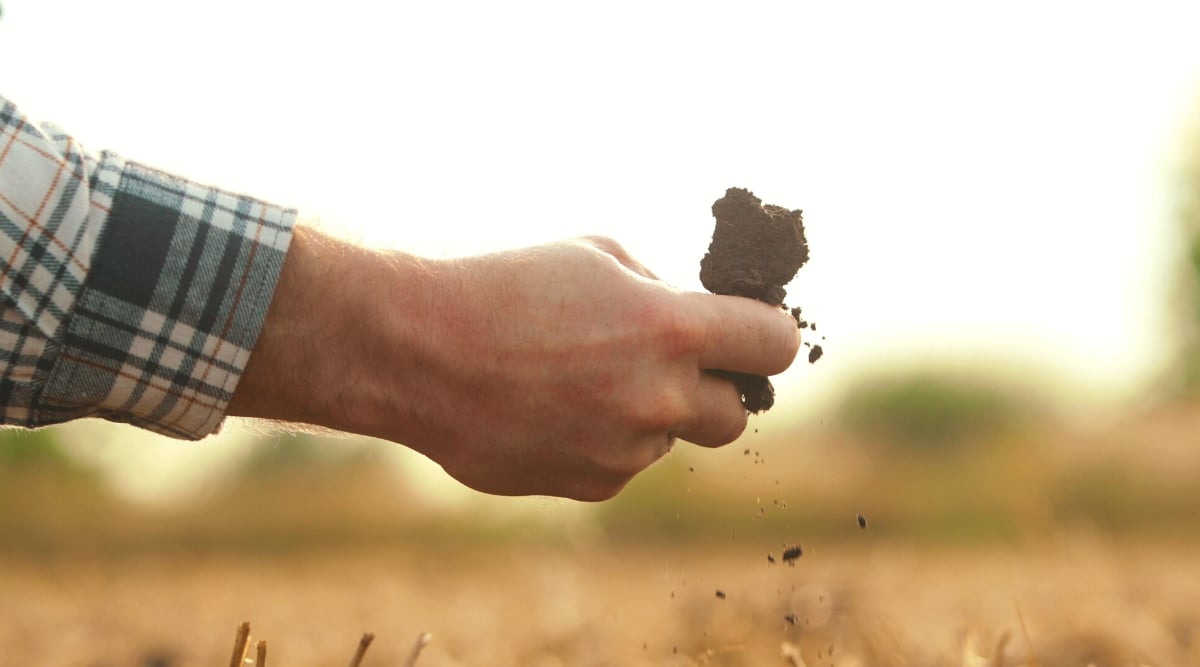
39,452
48,500
1024,480
893,452
926,456
933,412
1186,371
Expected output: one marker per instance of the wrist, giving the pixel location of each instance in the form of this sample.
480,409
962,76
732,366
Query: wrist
312,363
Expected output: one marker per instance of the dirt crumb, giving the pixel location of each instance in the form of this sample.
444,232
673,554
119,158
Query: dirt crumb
791,554
815,353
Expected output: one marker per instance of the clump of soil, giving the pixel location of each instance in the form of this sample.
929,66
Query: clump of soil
756,249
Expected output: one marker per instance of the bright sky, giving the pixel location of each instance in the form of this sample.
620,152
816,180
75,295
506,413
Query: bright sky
979,182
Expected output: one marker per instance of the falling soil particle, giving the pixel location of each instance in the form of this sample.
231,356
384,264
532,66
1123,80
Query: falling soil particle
756,249
815,353
791,554
771,559
721,594
862,522
791,619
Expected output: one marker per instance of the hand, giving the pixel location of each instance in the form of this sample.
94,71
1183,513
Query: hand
563,369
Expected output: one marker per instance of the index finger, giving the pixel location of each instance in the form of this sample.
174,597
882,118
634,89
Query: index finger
619,253
747,336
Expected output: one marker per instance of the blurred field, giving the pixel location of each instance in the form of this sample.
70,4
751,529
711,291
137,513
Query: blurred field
999,534
1078,602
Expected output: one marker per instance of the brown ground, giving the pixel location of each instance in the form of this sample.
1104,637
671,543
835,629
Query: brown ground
1078,602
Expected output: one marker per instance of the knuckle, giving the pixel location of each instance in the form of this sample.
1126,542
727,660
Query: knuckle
724,431
620,465
659,411
605,244
678,333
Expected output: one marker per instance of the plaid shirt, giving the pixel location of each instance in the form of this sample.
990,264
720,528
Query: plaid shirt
125,293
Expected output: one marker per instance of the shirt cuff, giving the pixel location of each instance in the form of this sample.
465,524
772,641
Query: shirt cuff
174,302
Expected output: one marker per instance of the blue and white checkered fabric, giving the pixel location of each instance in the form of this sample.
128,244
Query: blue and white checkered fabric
125,293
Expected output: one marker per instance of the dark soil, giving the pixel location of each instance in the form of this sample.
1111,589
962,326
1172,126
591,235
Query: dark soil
756,250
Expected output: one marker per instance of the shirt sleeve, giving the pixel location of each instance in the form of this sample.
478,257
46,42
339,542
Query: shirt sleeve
126,293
